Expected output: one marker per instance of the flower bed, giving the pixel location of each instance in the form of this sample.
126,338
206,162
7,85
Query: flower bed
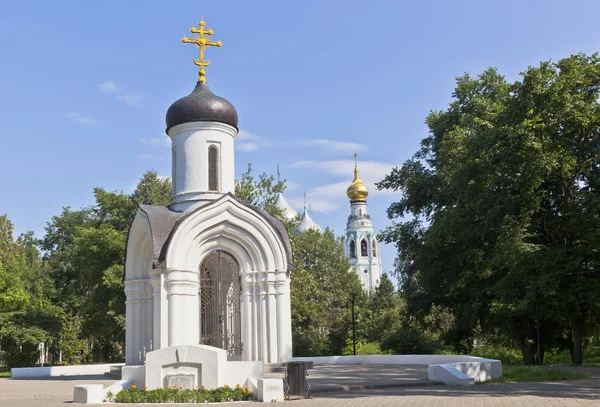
180,395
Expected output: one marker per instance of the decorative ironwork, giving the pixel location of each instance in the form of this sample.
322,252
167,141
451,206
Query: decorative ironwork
286,386
220,303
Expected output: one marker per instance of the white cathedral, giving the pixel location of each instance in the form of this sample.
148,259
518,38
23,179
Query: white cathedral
360,241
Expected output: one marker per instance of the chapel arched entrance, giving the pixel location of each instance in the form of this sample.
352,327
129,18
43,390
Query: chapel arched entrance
220,292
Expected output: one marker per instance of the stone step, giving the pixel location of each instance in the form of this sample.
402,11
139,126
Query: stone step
115,372
274,367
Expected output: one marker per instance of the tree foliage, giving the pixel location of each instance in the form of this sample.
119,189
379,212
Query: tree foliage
503,204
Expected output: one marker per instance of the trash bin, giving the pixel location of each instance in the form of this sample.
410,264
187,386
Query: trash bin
296,376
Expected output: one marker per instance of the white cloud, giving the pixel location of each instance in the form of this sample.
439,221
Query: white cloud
329,197
370,171
160,141
334,145
131,100
75,116
248,142
143,156
108,86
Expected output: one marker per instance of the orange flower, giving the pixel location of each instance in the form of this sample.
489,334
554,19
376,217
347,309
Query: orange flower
180,387
237,385
145,387
133,386
247,388
202,386
166,387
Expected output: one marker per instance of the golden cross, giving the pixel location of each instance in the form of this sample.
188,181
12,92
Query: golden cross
201,42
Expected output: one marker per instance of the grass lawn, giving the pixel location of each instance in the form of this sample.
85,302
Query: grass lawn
4,372
533,374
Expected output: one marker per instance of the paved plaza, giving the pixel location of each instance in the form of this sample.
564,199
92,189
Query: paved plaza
409,389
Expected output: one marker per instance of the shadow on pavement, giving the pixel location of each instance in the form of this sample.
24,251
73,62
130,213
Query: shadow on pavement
580,389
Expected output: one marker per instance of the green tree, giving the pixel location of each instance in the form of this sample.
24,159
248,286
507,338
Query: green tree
261,193
321,288
85,251
503,197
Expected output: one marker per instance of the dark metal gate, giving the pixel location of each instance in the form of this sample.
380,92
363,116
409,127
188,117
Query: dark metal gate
220,300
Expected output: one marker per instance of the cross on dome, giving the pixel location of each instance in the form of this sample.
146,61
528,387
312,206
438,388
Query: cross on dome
202,43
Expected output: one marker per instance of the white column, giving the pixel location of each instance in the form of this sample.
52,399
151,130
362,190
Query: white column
156,325
183,307
149,333
272,317
284,318
164,310
247,353
263,338
255,316
129,356
134,335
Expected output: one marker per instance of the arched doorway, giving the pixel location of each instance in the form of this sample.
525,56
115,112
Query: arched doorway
220,292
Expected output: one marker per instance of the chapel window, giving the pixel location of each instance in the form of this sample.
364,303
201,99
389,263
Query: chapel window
213,175
352,249
363,248
374,248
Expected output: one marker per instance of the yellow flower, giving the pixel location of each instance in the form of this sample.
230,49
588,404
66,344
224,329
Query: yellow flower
226,386
145,387
158,388
174,387
202,386
247,388
133,386
237,385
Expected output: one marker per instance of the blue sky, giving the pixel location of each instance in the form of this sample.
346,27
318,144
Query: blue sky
84,88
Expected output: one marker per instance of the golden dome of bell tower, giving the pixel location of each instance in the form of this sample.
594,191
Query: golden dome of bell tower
357,191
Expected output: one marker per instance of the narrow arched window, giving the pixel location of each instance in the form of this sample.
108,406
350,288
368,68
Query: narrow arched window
213,168
374,248
363,248
352,249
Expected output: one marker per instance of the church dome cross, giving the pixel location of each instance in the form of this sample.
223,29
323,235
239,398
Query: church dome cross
202,42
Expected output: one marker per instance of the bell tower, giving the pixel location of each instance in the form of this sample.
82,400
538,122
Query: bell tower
360,242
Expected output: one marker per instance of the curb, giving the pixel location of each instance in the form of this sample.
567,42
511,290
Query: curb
358,387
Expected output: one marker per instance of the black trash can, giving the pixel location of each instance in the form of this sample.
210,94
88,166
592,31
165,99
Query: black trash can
296,376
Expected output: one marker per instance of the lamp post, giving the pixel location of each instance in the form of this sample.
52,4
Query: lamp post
352,299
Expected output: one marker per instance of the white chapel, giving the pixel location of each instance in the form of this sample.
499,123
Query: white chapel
207,270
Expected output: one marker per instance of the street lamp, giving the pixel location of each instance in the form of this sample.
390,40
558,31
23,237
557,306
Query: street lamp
352,299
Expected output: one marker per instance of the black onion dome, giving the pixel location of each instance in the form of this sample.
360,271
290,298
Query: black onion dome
201,106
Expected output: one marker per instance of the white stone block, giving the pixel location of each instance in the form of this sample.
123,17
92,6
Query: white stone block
251,382
136,374
269,390
88,393
448,374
